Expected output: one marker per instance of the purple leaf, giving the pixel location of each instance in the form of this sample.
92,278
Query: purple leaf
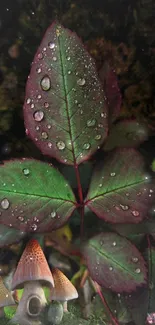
120,190
65,110
112,91
127,133
115,263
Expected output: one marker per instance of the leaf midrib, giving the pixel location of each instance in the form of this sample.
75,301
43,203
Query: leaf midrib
115,190
113,261
36,195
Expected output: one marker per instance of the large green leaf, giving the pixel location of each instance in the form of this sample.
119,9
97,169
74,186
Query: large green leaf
65,110
121,191
34,196
114,262
150,254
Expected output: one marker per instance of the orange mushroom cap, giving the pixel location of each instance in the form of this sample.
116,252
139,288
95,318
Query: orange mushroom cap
6,298
32,266
63,289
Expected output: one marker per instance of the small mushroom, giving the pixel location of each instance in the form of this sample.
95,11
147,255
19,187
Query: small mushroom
63,289
31,274
6,298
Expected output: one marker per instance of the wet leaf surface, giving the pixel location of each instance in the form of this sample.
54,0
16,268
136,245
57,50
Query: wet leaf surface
34,196
120,190
114,262
65,110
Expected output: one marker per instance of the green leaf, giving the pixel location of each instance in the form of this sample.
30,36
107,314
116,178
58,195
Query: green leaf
34,196
9,235
115,263
126,133
65,110
138,305
120,190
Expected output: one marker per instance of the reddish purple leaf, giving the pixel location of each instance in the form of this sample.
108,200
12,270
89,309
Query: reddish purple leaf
65,110
120,190
115,263
112,91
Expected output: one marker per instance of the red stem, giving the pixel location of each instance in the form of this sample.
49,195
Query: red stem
80,193
97,289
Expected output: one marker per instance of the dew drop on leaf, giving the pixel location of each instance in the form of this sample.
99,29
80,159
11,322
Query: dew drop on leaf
137,271
28,101
86,146
34,227
112,174
26,171
5,204
46,105
51,45
135,213
54,58
38,70
135,259
44,135
61,145
114,243
38,116
124,207
40,56
111,268
91,122
104,115
49,144
81,82
45,83
98,137
53,214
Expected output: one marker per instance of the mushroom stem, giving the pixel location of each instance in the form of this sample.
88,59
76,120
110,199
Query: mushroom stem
31,288
65,306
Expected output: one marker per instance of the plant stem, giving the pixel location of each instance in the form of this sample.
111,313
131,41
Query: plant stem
97,289
80,193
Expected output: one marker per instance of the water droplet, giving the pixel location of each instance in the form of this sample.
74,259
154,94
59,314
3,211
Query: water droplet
38,70
111,268
51,45
39,96
124,207
40,56
34,227
44,135
45,83
61,145
112,174
26,171
49,144
137,270
104,115
81,82
98,137
114,243
69,72
91,122
100,185
135,259
68,58
28,101
32,105
46,105
53,214
54,58
38,116
135,213
49,126
86,146
5,204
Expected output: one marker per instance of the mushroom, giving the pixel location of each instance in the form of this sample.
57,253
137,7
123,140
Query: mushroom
6,298
31,274
63,289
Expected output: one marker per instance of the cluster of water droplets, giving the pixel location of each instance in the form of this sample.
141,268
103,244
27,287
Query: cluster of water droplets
79,66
